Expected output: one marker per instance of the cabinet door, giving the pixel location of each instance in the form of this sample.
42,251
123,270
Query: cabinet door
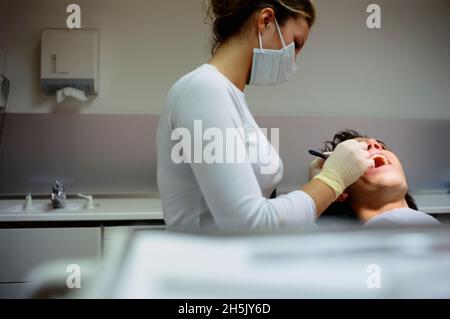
23,249
115,235
15,291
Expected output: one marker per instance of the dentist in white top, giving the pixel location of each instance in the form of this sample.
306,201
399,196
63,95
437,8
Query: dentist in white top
256,43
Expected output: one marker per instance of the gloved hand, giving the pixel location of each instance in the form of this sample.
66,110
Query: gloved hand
345,166
316,165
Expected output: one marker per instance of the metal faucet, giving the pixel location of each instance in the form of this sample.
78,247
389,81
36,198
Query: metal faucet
58,196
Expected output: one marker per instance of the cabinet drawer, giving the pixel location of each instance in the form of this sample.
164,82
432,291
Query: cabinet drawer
23,249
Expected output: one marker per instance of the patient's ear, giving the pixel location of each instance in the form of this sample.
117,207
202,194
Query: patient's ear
342,198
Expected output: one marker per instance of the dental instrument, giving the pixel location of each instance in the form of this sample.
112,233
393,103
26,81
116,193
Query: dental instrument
318,154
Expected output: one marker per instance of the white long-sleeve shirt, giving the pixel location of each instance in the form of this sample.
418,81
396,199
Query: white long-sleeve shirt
202,196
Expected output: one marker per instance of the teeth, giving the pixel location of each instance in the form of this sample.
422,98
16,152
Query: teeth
380,160
380,156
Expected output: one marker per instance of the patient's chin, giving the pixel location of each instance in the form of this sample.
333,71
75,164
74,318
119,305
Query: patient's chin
388,181
380,190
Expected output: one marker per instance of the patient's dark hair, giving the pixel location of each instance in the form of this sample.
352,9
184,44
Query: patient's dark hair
344,209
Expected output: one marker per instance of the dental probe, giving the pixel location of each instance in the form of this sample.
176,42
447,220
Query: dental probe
318,154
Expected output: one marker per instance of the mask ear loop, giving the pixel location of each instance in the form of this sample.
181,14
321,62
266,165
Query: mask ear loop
260,40
284,45
279,33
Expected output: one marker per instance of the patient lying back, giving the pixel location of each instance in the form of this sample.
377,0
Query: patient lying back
380,197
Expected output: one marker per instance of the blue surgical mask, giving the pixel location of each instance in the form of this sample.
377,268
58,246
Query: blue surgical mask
272,67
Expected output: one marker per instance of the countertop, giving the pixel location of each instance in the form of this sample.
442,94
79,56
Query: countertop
130,209
433,203
145,209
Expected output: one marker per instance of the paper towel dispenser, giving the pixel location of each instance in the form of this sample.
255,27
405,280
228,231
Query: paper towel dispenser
69,59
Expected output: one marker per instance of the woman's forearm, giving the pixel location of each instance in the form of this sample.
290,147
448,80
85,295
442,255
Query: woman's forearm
322,195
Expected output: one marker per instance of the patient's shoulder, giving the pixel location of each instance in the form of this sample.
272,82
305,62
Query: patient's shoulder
402,217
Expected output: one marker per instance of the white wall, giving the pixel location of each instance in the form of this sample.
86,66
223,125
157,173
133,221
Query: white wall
2,61
346,70
400,71
145,45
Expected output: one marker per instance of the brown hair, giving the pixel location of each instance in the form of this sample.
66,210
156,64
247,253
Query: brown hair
344,209
228,17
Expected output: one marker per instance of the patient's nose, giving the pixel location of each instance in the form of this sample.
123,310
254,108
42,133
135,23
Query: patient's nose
374,145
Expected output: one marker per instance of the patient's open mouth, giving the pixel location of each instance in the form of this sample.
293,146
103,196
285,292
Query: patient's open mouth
380,160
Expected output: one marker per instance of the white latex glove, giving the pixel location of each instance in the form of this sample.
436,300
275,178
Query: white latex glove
349,161
316,165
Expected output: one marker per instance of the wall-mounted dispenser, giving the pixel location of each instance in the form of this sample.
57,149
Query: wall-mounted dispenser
69,62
